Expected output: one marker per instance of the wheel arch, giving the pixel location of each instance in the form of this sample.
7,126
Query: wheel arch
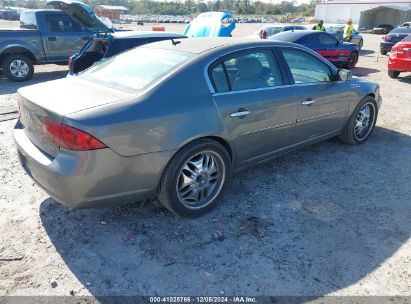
17,50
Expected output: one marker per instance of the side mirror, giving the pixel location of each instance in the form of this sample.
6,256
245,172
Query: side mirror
344,75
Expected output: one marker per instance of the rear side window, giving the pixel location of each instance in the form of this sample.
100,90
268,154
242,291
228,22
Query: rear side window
246,71
28,20
60,23
305,68
219,78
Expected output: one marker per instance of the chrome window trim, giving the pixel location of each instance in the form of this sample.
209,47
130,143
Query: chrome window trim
214,93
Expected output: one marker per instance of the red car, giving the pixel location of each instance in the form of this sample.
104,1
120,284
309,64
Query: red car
400,58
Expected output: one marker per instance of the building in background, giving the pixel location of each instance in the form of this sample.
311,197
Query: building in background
386,14
338,11
112,12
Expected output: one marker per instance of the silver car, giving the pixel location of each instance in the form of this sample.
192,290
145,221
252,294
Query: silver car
176,118
338,31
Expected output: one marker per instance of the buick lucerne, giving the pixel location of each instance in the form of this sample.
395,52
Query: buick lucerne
174,119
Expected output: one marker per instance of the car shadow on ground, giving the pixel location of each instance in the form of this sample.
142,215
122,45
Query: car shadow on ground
308,223
361,72
366,52
9,87
406,79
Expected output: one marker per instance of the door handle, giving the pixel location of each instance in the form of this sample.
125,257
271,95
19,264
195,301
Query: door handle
52,38
240,114
308,102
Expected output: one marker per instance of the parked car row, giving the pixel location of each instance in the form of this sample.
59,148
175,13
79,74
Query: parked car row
129,18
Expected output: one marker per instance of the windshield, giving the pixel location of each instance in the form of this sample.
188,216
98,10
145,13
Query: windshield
137,69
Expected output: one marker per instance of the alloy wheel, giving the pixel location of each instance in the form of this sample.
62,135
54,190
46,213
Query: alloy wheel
19,68
200,179
364,121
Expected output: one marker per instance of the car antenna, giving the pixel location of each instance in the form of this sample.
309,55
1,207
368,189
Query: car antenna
174,42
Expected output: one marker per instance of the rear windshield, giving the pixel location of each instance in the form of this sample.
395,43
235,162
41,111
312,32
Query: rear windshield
120,45
408,38
400,30
137,69
28,20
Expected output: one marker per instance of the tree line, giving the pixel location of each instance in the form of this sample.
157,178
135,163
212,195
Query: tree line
190,7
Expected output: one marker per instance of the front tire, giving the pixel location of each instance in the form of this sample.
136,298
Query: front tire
18,67
383,52
393,74
361,123
352,60
195,178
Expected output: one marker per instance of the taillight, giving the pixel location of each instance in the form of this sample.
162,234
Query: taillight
386,38
70,138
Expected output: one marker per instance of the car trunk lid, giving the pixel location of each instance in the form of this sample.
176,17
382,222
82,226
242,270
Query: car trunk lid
54,100
397,37
82,13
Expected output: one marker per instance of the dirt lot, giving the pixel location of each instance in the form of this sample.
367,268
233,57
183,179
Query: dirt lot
331,219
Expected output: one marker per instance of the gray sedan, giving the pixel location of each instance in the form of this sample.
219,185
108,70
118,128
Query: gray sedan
176,118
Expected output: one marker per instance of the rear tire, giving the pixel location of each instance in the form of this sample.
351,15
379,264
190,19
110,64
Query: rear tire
195,178
352,60
18,67
393,74
359,126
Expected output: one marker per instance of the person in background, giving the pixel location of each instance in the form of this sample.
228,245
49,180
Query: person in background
319,26
263,34
348,31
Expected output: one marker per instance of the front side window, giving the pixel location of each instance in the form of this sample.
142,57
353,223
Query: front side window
246,71
327,40
311,39
61,23
306,68
137,69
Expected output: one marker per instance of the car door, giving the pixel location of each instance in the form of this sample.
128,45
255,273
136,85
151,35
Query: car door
330,49
63,37
311,41
258,111
323,102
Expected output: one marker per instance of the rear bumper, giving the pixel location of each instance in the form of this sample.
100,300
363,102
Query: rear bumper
386,46
82,179
399,64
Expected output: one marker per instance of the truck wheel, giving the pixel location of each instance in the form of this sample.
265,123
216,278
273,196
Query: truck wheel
18,67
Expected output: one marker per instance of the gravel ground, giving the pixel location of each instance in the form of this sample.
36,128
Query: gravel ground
330,219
